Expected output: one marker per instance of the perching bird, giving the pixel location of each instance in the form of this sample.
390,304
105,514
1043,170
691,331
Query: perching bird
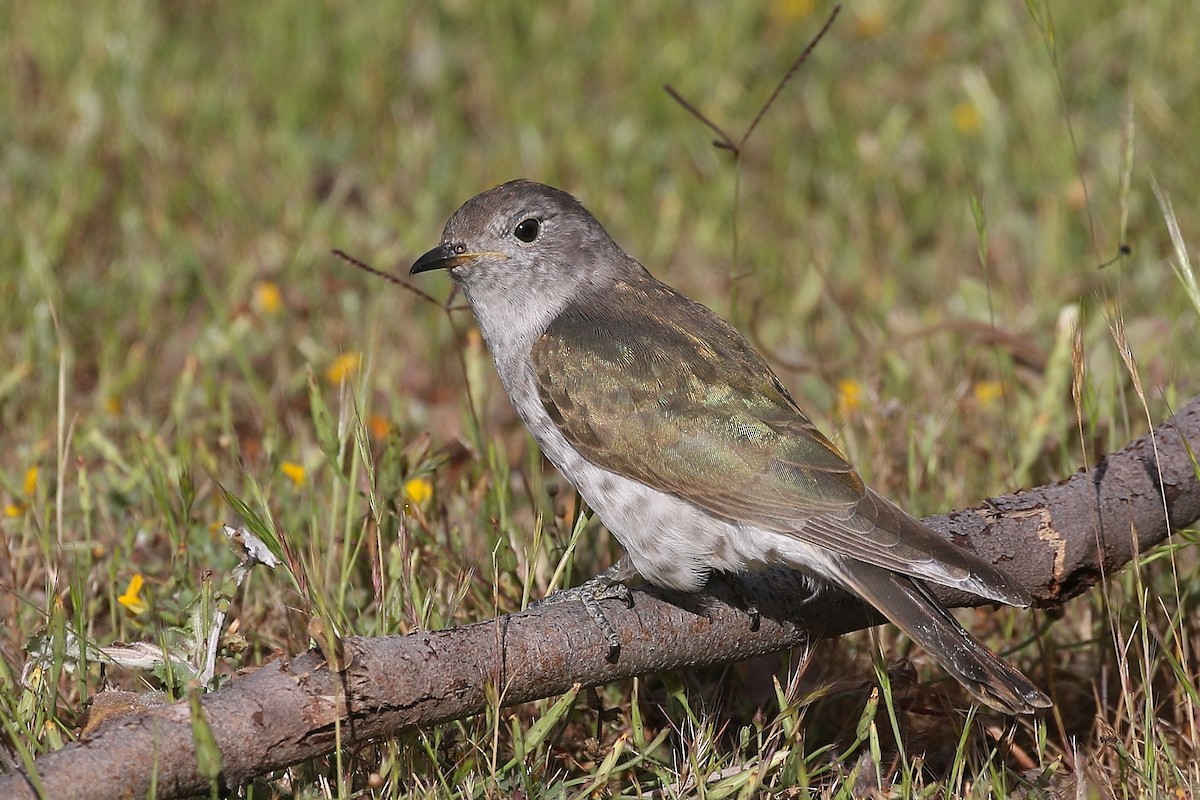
681,438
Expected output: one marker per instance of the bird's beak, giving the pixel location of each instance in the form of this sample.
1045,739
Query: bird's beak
444,256
448,255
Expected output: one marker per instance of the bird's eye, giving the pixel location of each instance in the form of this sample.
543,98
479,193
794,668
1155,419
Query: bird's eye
528,229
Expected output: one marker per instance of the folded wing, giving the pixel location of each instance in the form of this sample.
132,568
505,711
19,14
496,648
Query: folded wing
669,394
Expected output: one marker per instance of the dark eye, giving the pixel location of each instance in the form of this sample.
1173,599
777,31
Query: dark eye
527,230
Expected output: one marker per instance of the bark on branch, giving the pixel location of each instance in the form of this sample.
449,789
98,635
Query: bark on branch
1057,540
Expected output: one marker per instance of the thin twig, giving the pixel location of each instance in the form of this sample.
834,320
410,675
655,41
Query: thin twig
446,307
762,112
726,141
387,276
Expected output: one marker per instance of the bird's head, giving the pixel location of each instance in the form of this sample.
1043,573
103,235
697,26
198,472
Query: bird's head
524,243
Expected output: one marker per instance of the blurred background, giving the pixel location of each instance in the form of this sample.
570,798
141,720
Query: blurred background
943,234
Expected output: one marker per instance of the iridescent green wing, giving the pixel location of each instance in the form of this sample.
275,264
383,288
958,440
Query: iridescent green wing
669,394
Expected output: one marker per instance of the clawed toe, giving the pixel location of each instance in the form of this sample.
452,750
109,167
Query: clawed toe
735,582
602,587
755,617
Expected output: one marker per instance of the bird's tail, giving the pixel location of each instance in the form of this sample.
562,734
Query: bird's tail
914,610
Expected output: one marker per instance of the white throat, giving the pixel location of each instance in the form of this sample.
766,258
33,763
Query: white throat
510,323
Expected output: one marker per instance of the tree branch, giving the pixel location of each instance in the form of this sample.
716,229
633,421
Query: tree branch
1057,540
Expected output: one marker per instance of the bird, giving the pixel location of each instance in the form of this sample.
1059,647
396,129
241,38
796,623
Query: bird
677,433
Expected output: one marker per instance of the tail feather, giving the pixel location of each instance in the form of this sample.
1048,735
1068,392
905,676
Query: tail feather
914,610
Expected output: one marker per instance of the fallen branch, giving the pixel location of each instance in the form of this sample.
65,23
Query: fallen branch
1057,540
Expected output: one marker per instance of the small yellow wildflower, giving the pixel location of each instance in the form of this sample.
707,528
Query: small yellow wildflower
294,471
268,299
343,367
987,393
29,488
379,425
869,23
787,11
113,404
132,599
967,118
849,396
418,490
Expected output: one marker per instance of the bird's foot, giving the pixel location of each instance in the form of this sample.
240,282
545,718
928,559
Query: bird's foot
608,585
737,583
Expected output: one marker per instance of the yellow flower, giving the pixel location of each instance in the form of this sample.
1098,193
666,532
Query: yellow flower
267,297
987,393
343,367
785,11
379,425
31,478
14,510
869,23
293,471
967,118
113,404
418,490
132,599
849,396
